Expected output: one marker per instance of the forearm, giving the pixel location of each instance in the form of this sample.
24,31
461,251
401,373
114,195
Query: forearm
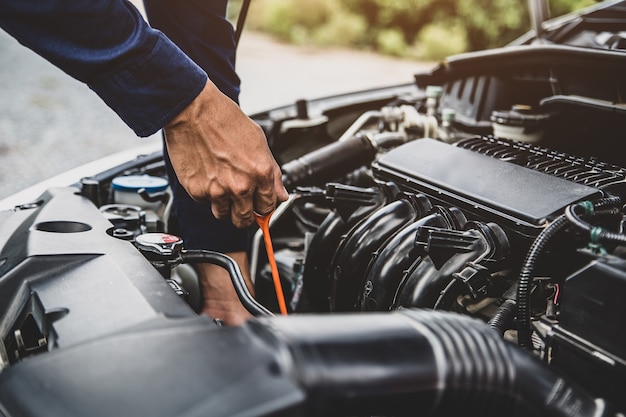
106,44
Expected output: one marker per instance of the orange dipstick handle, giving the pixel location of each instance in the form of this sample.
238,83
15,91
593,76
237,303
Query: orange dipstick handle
264,224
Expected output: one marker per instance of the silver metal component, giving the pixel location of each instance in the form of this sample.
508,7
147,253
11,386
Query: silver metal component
359,124
162,245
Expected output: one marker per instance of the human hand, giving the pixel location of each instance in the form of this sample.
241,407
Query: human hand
221,155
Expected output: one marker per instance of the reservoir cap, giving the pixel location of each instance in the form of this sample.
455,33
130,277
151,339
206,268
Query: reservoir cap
133,183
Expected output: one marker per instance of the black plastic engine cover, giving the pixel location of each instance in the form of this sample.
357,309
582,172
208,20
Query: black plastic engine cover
161,368
64,279
514,196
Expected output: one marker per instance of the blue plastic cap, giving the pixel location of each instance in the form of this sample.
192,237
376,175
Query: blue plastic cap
133,183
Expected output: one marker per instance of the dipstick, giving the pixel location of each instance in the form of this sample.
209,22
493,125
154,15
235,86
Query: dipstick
264,223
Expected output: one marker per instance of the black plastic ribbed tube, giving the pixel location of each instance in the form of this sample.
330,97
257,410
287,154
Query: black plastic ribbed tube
416,362
525,281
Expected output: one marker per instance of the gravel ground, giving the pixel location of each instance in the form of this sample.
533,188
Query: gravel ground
50,123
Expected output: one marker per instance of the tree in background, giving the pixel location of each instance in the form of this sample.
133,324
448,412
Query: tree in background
421,29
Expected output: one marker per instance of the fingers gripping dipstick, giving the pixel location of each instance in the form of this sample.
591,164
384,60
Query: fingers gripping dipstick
264,223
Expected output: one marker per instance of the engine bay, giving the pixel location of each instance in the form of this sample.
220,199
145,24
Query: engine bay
482,203
472,200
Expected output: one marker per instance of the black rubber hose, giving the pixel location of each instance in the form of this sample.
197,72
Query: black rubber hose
504,317
575,211
525,280
416,362
239,283
538,246
329,162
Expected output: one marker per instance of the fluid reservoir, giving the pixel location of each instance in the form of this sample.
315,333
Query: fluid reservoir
151,193
520,123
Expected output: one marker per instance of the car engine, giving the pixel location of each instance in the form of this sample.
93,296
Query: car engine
451,246
495,192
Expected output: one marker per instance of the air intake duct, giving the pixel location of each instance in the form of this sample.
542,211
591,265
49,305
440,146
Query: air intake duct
416,362
329,162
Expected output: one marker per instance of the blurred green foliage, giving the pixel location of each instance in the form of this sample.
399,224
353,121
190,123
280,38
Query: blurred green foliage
421,29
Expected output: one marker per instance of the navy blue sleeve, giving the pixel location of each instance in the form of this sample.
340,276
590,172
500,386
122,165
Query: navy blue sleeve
201,30
138,72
